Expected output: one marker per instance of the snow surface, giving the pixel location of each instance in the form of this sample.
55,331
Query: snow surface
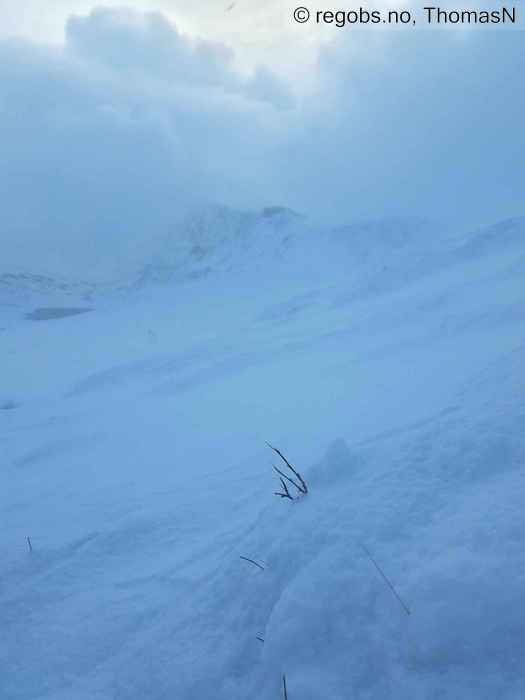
386,360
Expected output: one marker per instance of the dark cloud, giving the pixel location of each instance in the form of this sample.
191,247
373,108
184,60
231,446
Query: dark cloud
147,46
425,122
109,140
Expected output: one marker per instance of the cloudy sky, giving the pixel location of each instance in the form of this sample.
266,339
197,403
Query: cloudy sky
114,119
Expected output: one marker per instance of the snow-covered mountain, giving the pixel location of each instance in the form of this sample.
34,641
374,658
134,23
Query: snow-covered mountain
386,360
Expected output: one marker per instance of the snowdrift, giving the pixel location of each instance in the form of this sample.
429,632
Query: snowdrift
386,360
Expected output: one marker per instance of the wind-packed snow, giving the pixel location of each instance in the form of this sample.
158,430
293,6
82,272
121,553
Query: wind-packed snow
386,360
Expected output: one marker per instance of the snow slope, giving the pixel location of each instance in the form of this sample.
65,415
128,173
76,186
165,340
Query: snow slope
385,359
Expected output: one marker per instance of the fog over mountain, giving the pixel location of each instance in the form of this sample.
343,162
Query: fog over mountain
112,137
